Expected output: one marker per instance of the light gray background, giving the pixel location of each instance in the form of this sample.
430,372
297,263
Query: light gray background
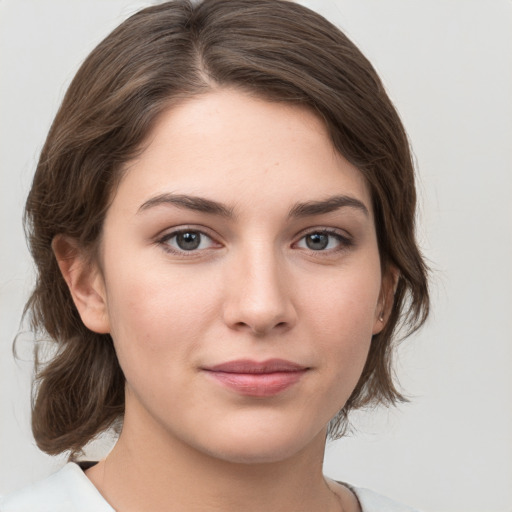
447,66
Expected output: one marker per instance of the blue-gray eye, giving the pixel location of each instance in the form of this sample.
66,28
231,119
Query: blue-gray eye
188,240
317,241
324,241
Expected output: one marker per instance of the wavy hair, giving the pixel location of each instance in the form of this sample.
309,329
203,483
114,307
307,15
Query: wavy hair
276,50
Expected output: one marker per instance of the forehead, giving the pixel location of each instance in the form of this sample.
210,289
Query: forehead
241,149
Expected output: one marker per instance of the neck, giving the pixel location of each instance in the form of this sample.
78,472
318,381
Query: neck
160,472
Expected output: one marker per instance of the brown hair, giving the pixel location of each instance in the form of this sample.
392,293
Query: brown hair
277,50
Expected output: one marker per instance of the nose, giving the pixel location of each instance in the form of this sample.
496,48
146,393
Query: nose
259,295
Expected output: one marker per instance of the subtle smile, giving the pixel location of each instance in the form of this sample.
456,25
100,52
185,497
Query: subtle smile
257,379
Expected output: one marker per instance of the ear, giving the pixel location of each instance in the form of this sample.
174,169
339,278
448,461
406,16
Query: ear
386,298
85,282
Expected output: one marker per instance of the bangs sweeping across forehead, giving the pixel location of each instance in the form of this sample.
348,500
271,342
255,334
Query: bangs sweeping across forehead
276,50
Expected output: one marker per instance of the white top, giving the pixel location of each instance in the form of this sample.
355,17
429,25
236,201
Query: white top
69,490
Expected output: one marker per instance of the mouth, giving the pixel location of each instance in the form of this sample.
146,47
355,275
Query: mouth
257,379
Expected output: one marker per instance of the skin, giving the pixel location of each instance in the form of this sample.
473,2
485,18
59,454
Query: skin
253,289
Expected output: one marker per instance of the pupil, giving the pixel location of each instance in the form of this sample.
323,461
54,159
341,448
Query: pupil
188,241
317,241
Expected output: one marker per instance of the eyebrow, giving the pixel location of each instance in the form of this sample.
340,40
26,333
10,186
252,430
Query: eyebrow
328,205
201,204
198,204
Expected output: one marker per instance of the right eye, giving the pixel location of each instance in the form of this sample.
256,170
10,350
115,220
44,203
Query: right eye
186,240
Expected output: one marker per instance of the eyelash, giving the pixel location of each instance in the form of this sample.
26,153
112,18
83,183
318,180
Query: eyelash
164,242
344,242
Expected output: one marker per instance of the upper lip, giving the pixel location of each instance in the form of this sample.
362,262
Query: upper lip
249,366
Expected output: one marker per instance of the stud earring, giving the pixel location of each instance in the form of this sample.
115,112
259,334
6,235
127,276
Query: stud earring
381,317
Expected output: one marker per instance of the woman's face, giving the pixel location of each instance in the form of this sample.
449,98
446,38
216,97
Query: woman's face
240,278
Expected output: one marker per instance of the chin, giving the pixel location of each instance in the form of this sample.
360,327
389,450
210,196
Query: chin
262,446
256,453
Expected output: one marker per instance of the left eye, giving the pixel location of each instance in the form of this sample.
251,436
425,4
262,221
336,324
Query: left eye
187,240
321,241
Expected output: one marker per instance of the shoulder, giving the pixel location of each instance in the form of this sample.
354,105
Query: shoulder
371,501
67,490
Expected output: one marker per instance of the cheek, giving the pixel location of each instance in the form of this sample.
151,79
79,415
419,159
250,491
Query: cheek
342,318
152,321
346,302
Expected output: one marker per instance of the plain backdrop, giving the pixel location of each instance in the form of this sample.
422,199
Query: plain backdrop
447,65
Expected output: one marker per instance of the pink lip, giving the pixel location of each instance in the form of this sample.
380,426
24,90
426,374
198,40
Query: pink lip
258,379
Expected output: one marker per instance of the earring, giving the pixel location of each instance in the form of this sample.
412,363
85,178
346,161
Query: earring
381,317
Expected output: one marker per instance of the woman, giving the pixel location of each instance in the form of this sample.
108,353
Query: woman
222,218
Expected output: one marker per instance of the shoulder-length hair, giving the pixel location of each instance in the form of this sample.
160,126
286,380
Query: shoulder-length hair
276,50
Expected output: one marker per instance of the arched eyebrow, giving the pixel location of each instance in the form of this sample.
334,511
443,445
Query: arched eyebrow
331,204
306,209
198,204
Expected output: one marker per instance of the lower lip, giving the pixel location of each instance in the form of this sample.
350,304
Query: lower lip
258,384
